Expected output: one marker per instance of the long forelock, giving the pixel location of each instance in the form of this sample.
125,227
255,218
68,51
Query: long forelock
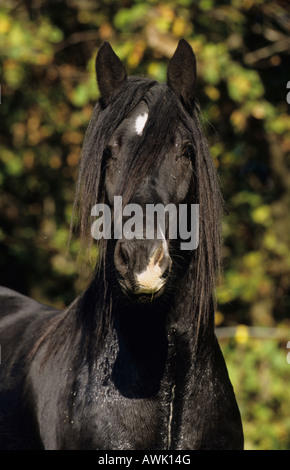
145,155
103,123
149,150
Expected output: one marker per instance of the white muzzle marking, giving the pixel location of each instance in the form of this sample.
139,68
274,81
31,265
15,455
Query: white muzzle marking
150,281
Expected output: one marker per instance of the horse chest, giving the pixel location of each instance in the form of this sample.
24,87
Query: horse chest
120,423
123,407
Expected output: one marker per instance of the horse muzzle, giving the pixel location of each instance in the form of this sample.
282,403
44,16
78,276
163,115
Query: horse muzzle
143,267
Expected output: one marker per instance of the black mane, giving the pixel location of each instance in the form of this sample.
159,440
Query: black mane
166,112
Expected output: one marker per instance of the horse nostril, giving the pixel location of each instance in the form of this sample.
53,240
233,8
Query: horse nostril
158,255
166,272
161,260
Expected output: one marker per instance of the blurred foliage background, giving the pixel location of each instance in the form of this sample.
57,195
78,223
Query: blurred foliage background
48,91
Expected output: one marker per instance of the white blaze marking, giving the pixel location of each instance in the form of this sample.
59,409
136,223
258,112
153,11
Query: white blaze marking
140,123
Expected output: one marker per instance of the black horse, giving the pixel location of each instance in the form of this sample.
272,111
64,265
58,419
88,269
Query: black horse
133,362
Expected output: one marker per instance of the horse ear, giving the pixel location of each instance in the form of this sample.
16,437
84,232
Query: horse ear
181,73
110,72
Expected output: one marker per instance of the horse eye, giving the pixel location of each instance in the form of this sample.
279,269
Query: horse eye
187,151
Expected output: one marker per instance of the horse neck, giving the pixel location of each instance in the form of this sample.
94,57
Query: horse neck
179,319
151,329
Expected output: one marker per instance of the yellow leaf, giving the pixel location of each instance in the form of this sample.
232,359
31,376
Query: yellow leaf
212,92
55,162
218,318
238,120
179,27
262,215
4,25
242,334
136,56
258,111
